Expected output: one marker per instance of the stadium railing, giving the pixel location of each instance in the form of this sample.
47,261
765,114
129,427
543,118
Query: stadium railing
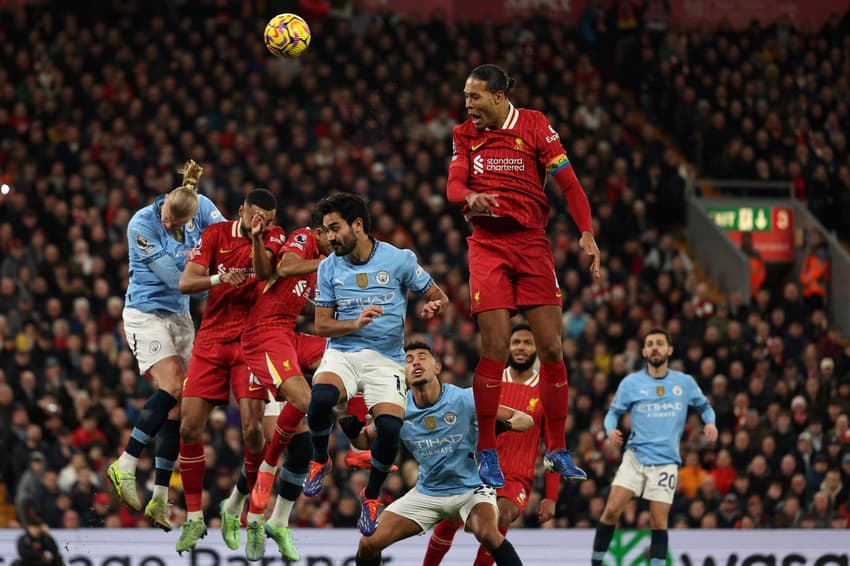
728,267
720,259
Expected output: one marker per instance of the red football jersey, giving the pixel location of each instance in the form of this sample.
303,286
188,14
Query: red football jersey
512,162
280,300
518,450
223,248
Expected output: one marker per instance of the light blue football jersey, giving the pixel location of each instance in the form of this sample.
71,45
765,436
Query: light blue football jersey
658,409
148,241
443,438
383,280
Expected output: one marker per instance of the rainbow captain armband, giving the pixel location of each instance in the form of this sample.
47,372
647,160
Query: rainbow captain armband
558,164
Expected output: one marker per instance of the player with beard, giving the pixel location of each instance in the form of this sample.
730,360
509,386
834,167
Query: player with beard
517,452
502,157
657,400
222,265
361,306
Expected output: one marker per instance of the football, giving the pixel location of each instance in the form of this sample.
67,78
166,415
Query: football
287,35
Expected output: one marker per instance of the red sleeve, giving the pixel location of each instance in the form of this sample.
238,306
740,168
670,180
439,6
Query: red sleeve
302,243
456,187
203,254
547,143
275,240
576,199
554,158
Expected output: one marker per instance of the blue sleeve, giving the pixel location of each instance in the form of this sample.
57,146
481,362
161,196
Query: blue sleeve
208,213
325,295
618,408
145,242
469,403
414,276
165,268
700,403
469,410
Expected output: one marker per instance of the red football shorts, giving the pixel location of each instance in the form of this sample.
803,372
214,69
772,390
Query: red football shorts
310,350
275,355
517,490
511,270
215,369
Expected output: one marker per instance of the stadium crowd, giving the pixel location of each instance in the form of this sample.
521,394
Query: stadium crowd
768,103
97,112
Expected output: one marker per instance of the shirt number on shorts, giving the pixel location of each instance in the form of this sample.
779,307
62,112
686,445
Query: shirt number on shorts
667,481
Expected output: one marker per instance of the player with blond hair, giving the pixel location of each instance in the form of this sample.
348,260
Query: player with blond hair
160,331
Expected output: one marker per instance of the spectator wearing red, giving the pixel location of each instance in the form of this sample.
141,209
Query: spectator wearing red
88,434
724,473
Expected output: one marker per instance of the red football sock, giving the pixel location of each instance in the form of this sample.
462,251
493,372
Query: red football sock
357,408
553,485
486,389
284,430
555,396
252,466
440,543
484,558
192,468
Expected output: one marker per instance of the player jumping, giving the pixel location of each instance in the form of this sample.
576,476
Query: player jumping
500,161
361,304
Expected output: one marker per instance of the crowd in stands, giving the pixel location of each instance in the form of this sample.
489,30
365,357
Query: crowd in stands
767,103
97,112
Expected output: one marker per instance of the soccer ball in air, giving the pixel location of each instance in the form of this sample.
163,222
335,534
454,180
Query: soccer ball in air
287,35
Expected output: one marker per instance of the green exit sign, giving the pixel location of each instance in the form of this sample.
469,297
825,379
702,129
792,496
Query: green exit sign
742,219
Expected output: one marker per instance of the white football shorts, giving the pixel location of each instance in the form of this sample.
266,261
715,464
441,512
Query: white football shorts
155,336
654,483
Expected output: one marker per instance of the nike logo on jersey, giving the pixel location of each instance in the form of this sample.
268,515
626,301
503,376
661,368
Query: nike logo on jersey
493,385
253,388
475,147
224,251
559,385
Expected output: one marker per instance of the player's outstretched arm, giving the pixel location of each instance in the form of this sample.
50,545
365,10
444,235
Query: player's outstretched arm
327,326
167,271
145,241
516,420
196,279
554,158
436,302
292,264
